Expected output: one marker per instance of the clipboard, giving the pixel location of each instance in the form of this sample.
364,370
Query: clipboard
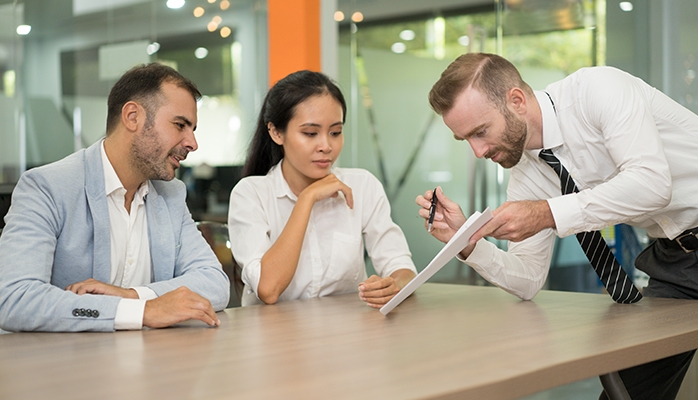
457,243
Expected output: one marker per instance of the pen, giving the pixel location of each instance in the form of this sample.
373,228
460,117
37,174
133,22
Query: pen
432,210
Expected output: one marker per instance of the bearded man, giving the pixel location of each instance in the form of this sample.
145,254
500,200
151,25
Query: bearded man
102,240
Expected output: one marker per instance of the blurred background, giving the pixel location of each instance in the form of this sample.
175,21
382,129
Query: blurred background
59,59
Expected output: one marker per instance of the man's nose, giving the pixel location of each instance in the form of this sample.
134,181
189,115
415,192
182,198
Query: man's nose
478,148
189,141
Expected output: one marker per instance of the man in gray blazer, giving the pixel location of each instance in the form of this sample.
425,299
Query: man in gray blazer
102,239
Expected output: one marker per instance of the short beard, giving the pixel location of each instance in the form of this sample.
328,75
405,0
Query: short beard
145,155
514,139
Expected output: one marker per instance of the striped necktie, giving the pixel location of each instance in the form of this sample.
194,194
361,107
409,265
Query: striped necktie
616,281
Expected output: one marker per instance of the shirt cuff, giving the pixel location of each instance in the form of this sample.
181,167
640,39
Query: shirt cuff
479,253
567,215
129,314
145,293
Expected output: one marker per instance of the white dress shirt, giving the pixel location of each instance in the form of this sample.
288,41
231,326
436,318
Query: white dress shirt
332,257
130,250
630,149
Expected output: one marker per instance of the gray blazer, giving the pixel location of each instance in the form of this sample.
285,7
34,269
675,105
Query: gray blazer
57,233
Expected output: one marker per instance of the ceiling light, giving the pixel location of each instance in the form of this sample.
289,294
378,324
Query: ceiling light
398,47
199,11
212,26
152,48
626,6
175,4
201,53
407,34
225,4
338,16
24,29
217,19
234,123
357,17
225,32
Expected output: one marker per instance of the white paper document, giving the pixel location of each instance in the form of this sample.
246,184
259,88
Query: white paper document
457,243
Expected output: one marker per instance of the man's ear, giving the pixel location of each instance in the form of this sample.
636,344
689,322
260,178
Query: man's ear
132,116
275,135
516,100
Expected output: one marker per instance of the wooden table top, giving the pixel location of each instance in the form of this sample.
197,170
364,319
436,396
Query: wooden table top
446,341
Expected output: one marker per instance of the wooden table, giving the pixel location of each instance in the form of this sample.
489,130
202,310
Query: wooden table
446,341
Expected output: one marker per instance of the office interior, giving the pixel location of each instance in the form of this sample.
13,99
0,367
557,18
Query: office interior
59,58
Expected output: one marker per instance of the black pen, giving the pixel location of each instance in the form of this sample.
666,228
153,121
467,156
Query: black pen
432,210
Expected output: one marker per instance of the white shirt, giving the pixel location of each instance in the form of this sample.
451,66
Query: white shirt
631,150
332,257
130,250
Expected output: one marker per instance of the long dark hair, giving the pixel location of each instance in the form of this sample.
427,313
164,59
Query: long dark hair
278,108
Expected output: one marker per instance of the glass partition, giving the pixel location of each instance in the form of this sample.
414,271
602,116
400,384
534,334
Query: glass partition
59,59
387,69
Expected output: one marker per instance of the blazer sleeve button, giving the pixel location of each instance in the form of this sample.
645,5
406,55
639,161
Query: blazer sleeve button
95,314
76,312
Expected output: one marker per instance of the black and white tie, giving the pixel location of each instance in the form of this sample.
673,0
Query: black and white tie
616,281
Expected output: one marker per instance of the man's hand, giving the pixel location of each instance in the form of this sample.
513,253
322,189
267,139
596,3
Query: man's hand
93,286
448,217
178,306
516,221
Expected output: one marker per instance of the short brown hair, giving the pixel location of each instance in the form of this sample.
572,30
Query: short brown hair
490,74
143,83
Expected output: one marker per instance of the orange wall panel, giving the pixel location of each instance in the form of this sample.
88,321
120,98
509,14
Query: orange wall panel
294,37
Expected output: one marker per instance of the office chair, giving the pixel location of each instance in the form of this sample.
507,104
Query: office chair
216,235
5,199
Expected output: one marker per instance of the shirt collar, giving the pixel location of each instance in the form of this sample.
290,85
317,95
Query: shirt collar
281,188
552,135
112,183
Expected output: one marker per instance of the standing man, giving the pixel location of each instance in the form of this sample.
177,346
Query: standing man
102,239
629,149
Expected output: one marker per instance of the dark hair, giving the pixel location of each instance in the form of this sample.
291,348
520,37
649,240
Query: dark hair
278,108
491,74
142,83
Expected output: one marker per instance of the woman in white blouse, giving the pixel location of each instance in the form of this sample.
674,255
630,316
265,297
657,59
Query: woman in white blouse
297,225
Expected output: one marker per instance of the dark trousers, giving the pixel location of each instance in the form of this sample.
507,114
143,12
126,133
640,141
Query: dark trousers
673,274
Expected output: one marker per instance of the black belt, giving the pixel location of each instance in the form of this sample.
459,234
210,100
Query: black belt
687,241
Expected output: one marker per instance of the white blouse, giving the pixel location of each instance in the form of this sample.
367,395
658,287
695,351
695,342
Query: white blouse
332,257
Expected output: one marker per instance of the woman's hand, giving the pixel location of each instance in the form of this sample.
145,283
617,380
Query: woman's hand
377,291
329,186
